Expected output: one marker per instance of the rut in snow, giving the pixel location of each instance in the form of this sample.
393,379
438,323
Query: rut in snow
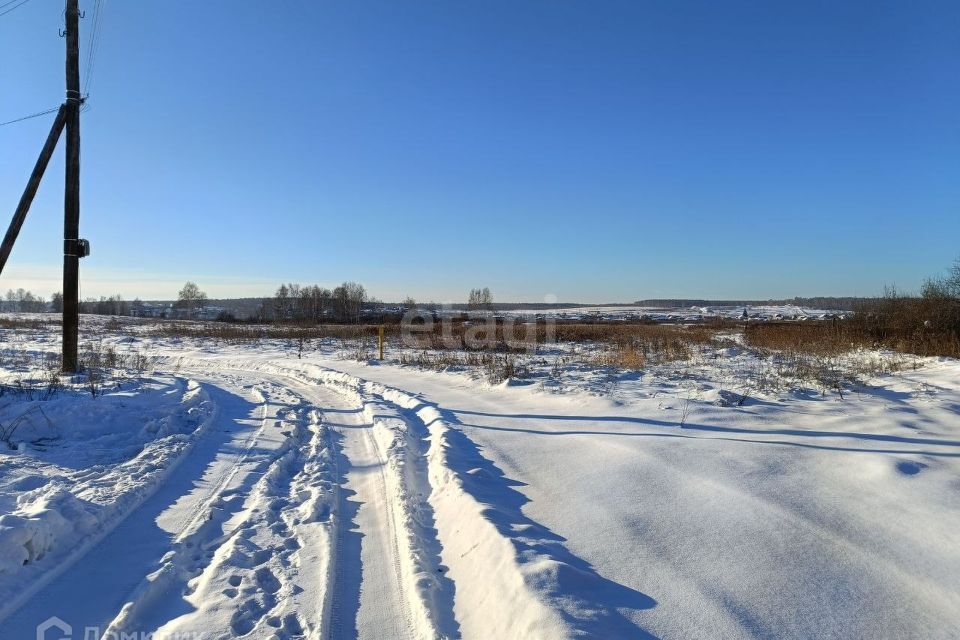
241,550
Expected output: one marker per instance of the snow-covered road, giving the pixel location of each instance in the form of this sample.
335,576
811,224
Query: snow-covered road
330,499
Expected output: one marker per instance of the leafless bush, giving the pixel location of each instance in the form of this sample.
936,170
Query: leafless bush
54,384
8,430
926,326
139,362
687,404
501,367
360,350
441,360
92,364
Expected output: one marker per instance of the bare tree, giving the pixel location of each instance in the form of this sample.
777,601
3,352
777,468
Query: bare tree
301,303
191,299
318,302
348,301
943,287
293,305
480,299
357,295
281,303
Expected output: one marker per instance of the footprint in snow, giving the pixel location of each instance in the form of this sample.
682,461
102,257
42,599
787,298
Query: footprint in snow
266,580
909,468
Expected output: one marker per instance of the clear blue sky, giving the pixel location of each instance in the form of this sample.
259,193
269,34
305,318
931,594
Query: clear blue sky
595,151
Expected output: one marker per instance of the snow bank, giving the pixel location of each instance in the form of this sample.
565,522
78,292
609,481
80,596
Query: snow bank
41,524
411,514
56,523
506,602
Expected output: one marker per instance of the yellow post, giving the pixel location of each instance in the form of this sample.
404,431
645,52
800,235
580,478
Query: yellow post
381,341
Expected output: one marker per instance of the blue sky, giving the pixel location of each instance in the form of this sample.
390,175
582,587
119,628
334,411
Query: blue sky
592,151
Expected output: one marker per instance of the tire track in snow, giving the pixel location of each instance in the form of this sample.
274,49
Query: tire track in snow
218,491
393,533
200,531
379,519
383,445
381,610
144,538
539,589
266,569
343,588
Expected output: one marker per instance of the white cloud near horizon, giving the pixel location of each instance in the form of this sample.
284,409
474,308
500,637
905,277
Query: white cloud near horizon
45,279
95,282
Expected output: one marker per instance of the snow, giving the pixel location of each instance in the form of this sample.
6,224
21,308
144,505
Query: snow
676,314
252,493
86,472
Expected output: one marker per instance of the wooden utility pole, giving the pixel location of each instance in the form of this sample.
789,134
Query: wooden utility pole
71,196
68,117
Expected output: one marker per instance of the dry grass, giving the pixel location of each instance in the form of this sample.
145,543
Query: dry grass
497,367
919,326
922,326
899,324
819,337
240,333
636,346
623,357
29,323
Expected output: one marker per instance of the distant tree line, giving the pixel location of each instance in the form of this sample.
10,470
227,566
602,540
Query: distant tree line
312,304
28,302
113,305
25,301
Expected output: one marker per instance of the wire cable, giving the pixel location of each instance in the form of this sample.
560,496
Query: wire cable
93,43
91,51
32,115
19,4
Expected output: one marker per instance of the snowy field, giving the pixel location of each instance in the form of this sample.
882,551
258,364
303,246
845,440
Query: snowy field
687,314
199,488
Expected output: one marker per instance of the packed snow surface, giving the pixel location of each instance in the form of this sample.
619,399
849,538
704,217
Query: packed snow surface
248,490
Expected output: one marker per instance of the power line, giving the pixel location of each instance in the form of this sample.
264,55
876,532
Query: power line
93,43
20,3
32,115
